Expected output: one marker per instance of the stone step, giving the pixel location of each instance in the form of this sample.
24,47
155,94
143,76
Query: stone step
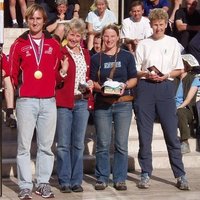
9,148
10,34
160,161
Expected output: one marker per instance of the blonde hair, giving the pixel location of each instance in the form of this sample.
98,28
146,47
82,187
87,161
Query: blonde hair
158,13
76,24
96,2
32,9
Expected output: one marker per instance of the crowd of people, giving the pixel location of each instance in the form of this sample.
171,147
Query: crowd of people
63,67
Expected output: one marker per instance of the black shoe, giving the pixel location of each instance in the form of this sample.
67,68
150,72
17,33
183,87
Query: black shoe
11,121
120,186
100,185
65,189
77,188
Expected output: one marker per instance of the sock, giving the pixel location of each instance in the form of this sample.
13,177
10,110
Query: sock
14,21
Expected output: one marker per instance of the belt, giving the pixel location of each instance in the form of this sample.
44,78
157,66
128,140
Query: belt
81,96
111,100
150,81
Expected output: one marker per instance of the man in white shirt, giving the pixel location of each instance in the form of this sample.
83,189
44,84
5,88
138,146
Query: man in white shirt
136,27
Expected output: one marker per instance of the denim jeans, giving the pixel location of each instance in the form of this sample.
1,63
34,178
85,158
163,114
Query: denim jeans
120,114
40,114
70,132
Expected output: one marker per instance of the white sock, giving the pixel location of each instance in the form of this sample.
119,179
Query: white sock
14,21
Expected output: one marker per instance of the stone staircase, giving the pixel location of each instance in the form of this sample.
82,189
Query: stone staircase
160,156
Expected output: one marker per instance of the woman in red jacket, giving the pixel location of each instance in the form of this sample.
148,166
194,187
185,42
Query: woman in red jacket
72,110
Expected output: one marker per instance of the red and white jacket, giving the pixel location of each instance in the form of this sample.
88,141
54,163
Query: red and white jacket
5,65
65,95
23,65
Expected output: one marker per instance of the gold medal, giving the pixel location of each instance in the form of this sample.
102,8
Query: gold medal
38,74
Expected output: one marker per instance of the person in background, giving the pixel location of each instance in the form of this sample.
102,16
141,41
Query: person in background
97,19
72,110
8,93
175,5
187,23
97,44
50,7
64,12
194,46
151,4
186,89
118,65
136,27
155,97
12,7
35,57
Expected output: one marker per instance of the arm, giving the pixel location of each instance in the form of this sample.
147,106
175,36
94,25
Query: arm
177,4
76,11
52,27
192,92
91,34
9,92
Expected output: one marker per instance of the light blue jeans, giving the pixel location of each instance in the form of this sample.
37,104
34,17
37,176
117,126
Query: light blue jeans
120,114
40,114
70,132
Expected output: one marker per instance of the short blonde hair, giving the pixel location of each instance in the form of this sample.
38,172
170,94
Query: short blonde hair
158,13
96,2
76,24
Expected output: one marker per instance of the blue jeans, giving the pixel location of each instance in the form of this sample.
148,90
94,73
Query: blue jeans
71,128
40,114
120,114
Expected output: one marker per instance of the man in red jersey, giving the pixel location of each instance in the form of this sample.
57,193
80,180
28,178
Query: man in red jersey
35,57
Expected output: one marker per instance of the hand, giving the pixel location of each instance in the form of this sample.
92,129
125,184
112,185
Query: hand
65,64
3,73
62,16
123,85
90,85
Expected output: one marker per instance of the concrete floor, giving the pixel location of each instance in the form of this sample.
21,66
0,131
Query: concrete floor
162,188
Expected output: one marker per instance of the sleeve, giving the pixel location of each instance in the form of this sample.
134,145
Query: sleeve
14,63
196,82
165,3
177,62
89,18
139,57
132,72
94,67
5,65
125,29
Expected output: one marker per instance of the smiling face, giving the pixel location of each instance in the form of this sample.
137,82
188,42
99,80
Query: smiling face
101,6
35,23
73,39
110,39
158,26
137,12
61,8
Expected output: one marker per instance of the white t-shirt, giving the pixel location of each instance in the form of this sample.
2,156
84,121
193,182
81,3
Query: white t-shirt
163,54
136,30
98,24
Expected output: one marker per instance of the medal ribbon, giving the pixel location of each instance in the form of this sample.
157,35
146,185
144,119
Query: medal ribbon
37,50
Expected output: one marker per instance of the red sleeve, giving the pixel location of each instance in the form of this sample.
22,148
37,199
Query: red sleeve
14,63
5,65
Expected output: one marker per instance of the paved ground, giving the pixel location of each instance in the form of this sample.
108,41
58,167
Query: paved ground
162,188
